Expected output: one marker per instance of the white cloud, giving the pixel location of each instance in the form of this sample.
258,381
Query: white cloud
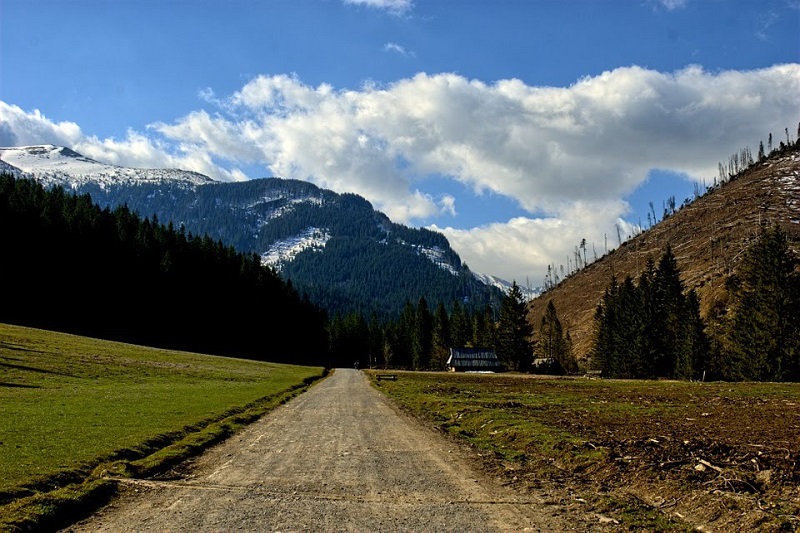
398,49
672,5
447,205
565,154
35,128
395,7
764,22
543,146
135,150
522,248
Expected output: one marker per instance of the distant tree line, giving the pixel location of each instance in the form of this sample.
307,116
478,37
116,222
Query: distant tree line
653,329
69,265
421,337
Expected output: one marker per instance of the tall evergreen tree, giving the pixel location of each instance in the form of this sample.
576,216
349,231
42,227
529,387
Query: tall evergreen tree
695,347
514,332
667,313
403,351
422,338
552,344
653,329
460,326
442,340
763,335
485,330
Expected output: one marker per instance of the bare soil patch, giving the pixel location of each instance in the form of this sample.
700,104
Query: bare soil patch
651,455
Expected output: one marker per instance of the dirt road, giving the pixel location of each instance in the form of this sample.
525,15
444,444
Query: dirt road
338,457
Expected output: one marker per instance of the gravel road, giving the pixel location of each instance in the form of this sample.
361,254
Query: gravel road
337,458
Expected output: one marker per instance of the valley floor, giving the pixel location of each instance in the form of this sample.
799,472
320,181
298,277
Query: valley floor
339,457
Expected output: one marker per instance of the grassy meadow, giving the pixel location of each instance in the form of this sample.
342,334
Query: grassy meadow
69,402
727,448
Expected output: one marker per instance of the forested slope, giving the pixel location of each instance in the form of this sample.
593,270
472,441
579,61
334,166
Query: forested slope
69,265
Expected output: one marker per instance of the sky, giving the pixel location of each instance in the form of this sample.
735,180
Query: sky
517,128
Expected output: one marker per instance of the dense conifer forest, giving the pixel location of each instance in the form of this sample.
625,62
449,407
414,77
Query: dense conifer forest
369,264
421,337
69,265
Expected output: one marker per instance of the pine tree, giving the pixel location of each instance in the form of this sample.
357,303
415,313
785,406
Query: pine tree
442,340
422,337
460,326
696,346
763,337
514,332
485,331
650,330
628,332
667,313
552,344
604,347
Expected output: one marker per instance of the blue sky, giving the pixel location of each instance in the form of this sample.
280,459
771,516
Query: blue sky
517,128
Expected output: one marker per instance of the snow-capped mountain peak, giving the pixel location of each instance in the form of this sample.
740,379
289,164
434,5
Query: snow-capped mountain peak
58,165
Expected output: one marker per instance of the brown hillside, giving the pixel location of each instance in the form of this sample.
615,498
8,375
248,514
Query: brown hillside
707,237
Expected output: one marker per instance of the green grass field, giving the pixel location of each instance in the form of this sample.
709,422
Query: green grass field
70,402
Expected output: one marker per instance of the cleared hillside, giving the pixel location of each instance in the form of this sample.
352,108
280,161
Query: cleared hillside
707,237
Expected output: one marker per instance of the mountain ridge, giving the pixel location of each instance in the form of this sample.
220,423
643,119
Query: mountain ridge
312,236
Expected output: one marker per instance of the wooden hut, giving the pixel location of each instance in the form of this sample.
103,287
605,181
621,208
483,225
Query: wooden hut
473,360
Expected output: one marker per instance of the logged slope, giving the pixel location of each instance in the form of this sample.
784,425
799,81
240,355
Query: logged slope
707,237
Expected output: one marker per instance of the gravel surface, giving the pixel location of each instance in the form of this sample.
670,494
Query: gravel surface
338,458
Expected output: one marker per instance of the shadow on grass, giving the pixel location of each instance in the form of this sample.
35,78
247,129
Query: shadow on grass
34,369
18,386
20,348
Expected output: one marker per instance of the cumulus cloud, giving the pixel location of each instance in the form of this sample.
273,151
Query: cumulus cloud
395,7
135,150
546,147
522,248
566,155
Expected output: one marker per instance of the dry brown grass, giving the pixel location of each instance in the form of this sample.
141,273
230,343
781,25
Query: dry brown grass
707,237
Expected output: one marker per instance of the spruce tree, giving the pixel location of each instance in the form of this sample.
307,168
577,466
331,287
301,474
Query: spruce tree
552,344
762,332
460,326
422,337
514,332
628,332
442,340
604,347
667,314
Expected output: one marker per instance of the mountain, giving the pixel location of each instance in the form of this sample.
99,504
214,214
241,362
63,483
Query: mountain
334,247
57,165
708,237
528,293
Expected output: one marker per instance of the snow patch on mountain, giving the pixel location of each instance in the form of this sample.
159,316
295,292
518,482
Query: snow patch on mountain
437,256
528,293
57,165
286,249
